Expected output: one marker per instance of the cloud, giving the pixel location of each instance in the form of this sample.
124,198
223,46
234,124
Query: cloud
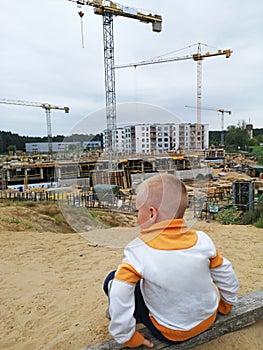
42,60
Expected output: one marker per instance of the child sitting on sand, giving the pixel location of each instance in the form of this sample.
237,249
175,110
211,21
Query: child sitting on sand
172,278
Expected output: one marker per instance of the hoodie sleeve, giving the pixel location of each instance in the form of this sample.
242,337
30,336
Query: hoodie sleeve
122,303
226,281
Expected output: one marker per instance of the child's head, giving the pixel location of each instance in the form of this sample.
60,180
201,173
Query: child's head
161,197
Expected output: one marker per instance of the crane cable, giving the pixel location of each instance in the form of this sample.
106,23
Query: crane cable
81,14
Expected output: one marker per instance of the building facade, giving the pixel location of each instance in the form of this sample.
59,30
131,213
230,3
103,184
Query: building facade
192,136
42,147
159,137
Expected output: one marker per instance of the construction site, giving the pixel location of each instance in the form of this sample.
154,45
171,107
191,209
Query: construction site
214,180
20,176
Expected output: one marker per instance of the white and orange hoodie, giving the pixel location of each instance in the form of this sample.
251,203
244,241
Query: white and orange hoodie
178,269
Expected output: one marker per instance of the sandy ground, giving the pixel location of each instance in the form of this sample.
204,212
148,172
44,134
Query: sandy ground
51,285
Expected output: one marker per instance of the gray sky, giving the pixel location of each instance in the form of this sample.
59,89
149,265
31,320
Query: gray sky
42,60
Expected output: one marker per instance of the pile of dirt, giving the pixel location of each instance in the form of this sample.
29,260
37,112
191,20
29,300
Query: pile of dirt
116,219
53,217
33,217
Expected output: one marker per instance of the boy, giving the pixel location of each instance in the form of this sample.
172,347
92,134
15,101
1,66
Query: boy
172,279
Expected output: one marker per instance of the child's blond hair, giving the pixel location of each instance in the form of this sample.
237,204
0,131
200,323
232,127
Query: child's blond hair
166,193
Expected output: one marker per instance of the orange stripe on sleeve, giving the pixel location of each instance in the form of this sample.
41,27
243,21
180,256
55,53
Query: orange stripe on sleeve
216,261
135,341
223,307
127,273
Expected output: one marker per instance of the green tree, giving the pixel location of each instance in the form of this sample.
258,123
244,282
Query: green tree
11,148
253,142
214,138
236,138
259,138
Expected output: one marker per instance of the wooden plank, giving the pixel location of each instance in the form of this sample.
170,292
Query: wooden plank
247,311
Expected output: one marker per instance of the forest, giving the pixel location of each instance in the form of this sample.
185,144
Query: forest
15,142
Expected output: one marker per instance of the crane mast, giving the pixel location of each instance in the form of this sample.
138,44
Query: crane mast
110,88
199,100
222,111
198,57
109,9
46,106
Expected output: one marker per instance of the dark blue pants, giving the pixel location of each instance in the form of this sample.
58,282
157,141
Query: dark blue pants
141,313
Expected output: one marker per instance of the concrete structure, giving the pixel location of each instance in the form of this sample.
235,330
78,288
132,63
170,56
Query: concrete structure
189,136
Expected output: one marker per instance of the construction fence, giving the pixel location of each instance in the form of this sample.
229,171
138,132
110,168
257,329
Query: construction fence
101,196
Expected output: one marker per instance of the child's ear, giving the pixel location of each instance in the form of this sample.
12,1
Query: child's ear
153,214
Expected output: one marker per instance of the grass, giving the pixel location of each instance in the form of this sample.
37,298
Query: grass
11,220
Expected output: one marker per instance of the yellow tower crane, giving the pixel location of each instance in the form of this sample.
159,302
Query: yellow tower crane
108,9
222,111
198,57
46,106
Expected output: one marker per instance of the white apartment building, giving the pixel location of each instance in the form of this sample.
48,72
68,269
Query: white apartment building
159,137
143,138
166,137
119,140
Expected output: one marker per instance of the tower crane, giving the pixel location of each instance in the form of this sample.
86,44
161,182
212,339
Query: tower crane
108,9
198,57
46,106
222,111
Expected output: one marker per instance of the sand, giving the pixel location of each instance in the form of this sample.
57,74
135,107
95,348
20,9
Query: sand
51,285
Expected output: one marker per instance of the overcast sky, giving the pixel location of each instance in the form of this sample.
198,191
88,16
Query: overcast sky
42,60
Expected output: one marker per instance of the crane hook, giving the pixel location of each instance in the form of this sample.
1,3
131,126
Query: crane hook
81,14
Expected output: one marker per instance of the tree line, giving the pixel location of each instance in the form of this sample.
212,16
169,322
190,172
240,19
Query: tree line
14,142
237,138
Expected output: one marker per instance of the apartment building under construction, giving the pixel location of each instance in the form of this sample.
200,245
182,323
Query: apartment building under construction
158,138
